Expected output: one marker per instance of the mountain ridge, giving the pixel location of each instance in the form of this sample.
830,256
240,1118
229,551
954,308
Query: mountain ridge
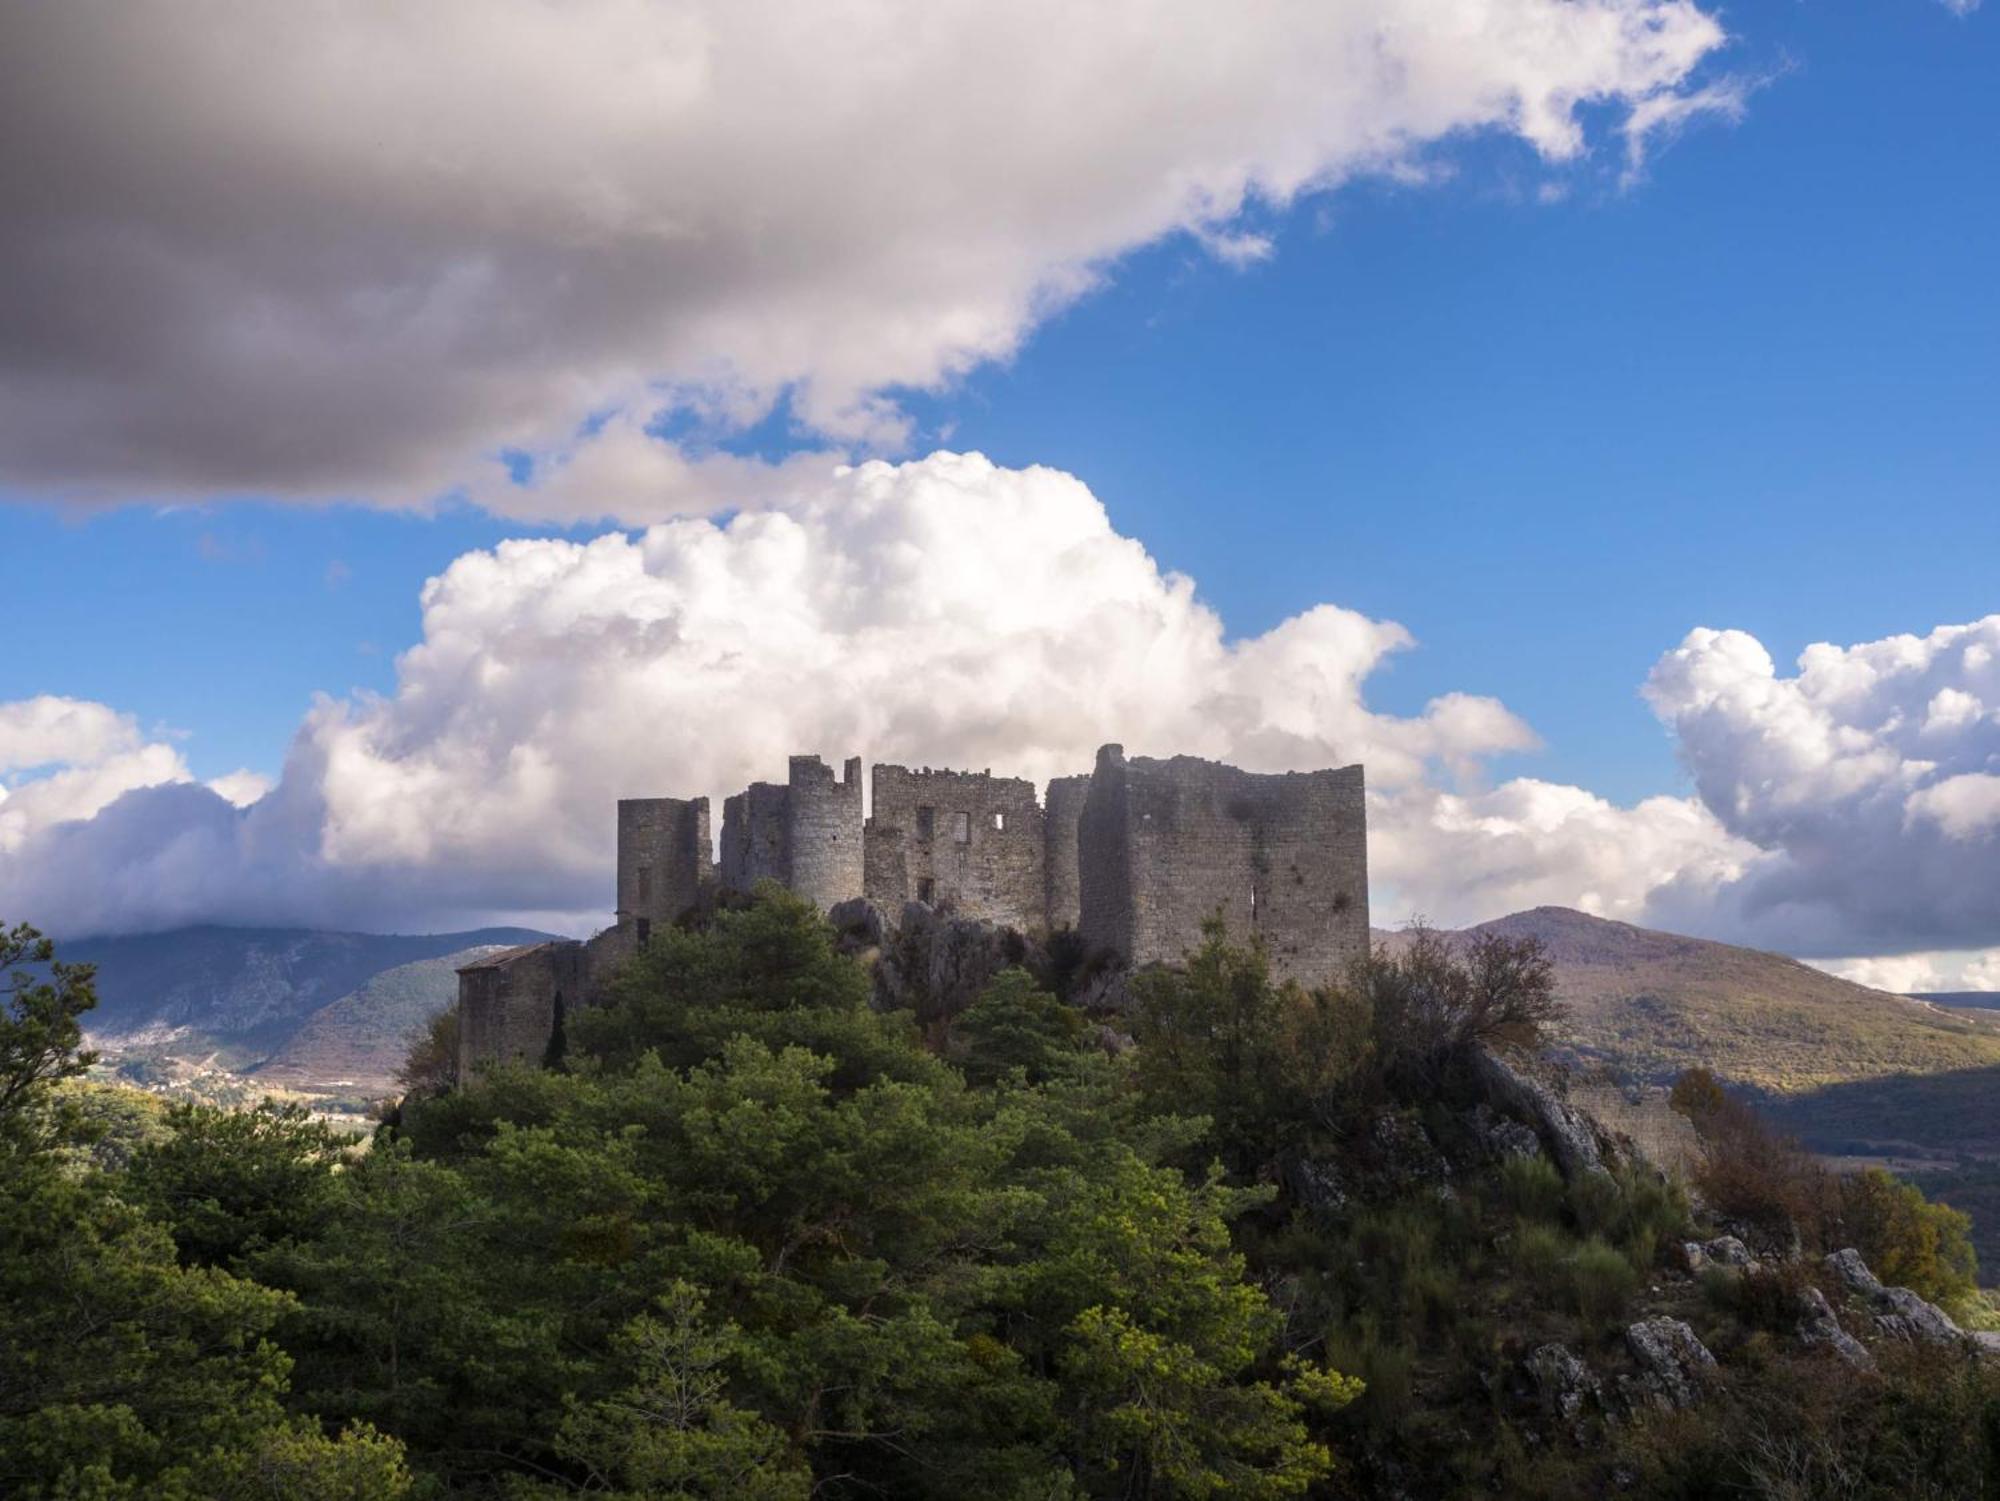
1649,1003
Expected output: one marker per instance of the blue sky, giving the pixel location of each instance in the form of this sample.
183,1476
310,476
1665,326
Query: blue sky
1755,389
1548,415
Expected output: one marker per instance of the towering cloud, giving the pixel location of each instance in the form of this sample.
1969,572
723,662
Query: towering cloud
1870,782
360,249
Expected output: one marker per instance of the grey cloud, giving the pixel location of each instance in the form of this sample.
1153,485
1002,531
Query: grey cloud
352,250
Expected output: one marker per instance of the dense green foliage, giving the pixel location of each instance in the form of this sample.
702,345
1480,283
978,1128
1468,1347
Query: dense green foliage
748,1237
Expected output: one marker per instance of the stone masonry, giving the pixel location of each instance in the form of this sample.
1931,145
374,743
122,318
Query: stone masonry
1134,856
971,841
805,835
663,860
1164,845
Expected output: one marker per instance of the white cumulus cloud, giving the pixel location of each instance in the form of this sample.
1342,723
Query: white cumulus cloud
359,250
949,611
1869,781
945,611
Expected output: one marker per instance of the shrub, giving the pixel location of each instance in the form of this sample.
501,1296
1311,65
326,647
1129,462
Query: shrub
1747,1172
1637,1211
1531,1187
1601,1280
1539,1252
1433,1004
1907,1240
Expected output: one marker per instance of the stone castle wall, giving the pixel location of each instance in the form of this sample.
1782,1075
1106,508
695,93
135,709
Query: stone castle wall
1135,856
1062,814
968,839
805,835
1166,844
824,831
509,1003
664,858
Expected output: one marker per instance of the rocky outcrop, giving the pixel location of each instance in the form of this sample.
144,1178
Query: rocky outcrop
1567,1132
1724,1250
1899,1313
1818,1327
1403,1156
1317,1184
1502,1137
1563,1387
935,964
1675,1365
860,924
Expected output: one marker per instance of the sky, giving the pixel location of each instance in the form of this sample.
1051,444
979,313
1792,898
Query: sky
419,428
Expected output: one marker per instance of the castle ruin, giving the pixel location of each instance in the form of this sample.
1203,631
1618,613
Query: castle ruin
1134,856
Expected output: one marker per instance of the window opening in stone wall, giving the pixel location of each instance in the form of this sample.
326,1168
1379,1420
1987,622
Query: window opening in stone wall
1000,820
926,890
926,822
645,885
645,931
961,828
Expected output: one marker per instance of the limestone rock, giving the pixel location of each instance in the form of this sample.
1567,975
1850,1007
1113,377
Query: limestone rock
1566,1131
1818,1326
860,923
1563,1386
1904,1315
1404,1154
1676,1363
1899,1313
1502,1137
1105,993
1724,1250
936,964
1853,1273
1317,1184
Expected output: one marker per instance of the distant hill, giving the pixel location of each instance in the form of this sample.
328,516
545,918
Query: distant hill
1652,1004
244,991
1966,1000
359,1041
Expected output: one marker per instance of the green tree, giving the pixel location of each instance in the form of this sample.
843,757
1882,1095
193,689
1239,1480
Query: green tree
1267,1063
40,1038
671,1431
229,1183
1015,1024
122,1373
1906,1240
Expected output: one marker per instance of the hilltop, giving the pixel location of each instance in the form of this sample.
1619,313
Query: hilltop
1652,1004
244,992
359,1041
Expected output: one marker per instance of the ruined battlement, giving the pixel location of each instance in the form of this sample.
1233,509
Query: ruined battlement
968,839
1134,855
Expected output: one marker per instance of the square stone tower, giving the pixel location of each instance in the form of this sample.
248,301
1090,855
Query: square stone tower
663,860
1165,844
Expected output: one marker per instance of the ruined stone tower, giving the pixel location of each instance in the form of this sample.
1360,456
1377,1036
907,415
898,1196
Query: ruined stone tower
1164,845
805,835
663,860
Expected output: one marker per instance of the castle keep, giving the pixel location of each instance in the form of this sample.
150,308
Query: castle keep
1134,856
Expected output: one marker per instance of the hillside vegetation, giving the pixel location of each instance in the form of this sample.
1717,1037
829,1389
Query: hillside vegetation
748,1238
